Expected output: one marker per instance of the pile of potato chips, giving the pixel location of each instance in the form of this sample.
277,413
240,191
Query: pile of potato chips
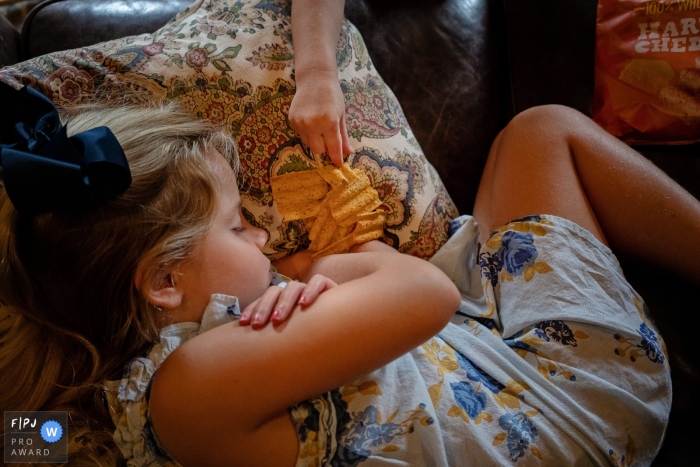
338,207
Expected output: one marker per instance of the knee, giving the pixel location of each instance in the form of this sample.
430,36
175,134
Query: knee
549,118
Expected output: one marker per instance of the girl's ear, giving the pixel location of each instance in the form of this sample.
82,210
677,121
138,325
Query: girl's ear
162,290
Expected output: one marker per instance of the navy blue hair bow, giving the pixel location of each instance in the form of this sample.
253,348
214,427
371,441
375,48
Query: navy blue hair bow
45,170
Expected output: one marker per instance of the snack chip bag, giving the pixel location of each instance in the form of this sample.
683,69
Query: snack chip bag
647,70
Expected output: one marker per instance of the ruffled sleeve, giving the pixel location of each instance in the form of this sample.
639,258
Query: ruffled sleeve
128,397
129,412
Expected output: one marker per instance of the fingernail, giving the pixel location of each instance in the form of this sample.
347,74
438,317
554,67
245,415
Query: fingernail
302,299
244,317
257,319
276,315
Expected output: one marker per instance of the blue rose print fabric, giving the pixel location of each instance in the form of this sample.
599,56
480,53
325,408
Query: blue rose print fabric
552,359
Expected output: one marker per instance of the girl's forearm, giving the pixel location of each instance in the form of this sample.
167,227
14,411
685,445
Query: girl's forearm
315,30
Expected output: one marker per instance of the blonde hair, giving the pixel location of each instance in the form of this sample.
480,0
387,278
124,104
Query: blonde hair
70,313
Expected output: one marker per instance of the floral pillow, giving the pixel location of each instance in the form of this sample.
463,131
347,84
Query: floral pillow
231,62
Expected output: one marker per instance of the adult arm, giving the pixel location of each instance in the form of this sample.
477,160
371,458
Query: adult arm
317,112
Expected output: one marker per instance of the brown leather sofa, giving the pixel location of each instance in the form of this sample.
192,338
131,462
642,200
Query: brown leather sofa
461,69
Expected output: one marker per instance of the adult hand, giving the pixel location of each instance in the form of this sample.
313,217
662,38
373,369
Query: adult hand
277,303
317,114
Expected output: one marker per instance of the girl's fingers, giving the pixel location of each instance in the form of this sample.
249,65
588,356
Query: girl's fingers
258,313
287,301
248,312
277,303
316,286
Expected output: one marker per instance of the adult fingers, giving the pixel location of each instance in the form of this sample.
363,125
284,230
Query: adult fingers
303,137
298,127
347,149
316,143
334,146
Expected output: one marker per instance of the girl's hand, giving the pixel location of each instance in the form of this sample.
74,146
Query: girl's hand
317,114
277,303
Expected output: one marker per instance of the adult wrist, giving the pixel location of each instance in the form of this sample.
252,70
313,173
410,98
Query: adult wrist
315,75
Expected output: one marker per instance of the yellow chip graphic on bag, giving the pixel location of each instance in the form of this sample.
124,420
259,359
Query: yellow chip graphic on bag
690,79
679,101
648,75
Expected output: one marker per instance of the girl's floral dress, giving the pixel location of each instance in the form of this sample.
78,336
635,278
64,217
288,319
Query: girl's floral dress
551,359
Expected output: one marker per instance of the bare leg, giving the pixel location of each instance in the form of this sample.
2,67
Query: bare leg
554,160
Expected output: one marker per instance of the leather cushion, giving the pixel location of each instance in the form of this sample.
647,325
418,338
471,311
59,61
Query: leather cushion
442,60
66,24
9,43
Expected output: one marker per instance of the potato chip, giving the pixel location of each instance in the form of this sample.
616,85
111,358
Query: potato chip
370,226
332,175
337,218
324,220
371,220
299,194
375,234
354,198
326,230
341,246
309,223
647,75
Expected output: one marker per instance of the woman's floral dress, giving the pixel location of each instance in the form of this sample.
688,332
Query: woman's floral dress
551,360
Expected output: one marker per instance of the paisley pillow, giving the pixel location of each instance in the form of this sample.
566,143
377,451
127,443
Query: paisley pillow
231,62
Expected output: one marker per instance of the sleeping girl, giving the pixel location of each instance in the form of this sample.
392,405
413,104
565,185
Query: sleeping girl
147,310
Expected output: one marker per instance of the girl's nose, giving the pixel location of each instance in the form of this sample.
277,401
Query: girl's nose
259,236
